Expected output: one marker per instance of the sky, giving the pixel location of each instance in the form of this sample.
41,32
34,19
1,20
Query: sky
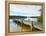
24,10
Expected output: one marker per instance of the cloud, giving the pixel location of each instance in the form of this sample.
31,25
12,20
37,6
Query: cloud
25,10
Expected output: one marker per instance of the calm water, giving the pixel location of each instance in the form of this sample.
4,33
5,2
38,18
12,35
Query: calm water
14,27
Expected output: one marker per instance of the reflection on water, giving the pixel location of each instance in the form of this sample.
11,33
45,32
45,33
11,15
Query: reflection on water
25,25
14,27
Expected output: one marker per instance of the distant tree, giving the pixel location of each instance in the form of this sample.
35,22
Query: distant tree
41,17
